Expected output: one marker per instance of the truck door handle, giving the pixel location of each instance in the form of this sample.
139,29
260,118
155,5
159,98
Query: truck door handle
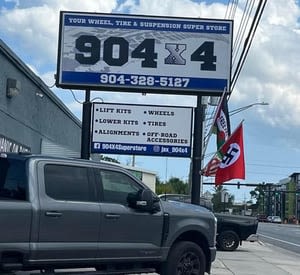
53,214
112,216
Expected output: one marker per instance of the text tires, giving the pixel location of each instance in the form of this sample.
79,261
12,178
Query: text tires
228,240
185,258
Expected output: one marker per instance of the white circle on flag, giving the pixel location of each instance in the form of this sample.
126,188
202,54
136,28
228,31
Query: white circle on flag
231,156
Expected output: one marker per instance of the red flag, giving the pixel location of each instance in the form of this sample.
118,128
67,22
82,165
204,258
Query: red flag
232,165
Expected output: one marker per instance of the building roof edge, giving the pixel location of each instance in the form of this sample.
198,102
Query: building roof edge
4,48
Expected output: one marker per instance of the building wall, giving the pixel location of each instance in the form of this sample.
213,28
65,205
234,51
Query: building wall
292,200
35,114
296,179
150,180
146,176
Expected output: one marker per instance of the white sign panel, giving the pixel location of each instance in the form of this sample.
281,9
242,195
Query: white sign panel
141,130
143,53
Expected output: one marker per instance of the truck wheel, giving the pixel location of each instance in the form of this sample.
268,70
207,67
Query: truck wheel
185,258
228,240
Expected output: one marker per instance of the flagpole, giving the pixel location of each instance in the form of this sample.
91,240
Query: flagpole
214,119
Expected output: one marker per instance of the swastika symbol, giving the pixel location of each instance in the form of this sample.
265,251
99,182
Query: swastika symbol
231,156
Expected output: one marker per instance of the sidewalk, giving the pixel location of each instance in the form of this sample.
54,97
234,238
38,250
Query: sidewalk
252,258
256,258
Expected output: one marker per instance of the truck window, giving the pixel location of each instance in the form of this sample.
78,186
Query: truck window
71,183
12,179
116,186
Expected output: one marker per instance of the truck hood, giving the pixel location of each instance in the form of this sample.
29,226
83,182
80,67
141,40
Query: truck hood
185,209
236,218
184,217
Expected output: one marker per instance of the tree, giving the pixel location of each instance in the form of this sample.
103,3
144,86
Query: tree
161,187
106,158
173,186
157,180
217,199
178,186
259,195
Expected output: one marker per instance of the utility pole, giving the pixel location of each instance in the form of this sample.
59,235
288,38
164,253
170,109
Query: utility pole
133,161
269,200
245,205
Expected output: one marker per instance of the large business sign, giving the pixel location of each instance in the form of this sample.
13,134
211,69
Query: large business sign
143,53
141,130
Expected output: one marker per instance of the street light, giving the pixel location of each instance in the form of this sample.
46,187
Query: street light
233,112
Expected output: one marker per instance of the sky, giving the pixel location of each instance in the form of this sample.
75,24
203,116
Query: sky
270,74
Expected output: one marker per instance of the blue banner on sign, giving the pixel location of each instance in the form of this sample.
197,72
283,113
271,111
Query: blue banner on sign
140,149
140,81
199,26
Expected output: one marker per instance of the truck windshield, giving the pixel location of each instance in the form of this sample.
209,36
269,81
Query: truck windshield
12,179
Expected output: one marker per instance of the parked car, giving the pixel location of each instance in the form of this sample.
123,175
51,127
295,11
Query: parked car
262,218
276,219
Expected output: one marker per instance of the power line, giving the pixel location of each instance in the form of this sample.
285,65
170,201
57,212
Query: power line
73,94
242,30
231,9
282,175
275,166
228,4
230,13
248,42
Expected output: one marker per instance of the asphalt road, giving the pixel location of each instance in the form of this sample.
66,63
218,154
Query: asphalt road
281,235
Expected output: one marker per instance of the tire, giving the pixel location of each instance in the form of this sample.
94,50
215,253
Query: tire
228,240
185,258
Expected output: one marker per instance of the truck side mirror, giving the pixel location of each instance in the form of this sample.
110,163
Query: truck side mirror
141,200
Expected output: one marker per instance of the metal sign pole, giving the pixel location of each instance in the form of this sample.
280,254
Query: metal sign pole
197,152
86,126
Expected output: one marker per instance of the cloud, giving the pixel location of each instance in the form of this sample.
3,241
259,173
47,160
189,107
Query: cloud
271,71
181,8
34,26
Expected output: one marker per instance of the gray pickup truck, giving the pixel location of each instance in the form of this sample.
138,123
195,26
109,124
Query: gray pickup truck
232,230
58,213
